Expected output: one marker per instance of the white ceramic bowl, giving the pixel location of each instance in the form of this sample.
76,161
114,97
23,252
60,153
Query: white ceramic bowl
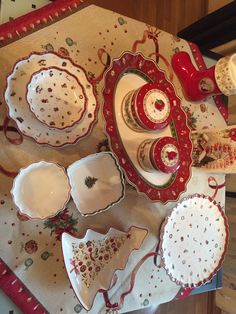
97,183
41,190
56,97
26,121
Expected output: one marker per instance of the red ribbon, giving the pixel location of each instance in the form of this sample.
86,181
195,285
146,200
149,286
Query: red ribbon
8,173
167,64
212,183
6,128
117,306
106,64
153,36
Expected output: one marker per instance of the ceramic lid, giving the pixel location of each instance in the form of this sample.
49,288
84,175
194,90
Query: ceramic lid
152,106
165,154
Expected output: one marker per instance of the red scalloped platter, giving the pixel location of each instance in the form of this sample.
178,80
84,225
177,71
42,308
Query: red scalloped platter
126,74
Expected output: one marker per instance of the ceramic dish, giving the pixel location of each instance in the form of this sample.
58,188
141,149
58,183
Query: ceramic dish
147,108
127,73
225,75
97,183
194,239
41,190
92,260
19,109
161,154
56,97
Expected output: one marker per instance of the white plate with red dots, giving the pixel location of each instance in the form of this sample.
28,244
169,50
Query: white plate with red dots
194,239
27,122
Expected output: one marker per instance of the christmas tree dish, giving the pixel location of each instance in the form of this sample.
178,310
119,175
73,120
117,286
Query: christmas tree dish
91,261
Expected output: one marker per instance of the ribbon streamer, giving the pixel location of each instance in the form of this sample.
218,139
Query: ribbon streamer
6,128
213,184
8,173
150,35
116,306
106,64
167,64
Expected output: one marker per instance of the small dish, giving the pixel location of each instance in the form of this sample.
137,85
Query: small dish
161,154
97,183
19,111
147,108
56,97
41,190
194,239
91,261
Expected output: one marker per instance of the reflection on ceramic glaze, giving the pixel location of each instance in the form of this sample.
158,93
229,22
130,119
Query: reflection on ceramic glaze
90,181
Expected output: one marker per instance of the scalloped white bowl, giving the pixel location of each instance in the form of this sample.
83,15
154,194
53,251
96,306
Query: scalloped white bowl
41,190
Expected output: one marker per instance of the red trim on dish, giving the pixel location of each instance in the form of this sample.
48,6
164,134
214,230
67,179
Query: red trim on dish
137,62
92,123
162,231
78,82
14,288
222,107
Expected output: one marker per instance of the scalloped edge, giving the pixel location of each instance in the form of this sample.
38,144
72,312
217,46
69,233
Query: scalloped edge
162,230
20,207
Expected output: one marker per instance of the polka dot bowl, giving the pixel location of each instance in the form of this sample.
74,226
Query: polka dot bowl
56,97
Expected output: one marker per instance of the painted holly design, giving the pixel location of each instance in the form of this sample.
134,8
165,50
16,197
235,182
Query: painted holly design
191,120
171,155
91,257
62,222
